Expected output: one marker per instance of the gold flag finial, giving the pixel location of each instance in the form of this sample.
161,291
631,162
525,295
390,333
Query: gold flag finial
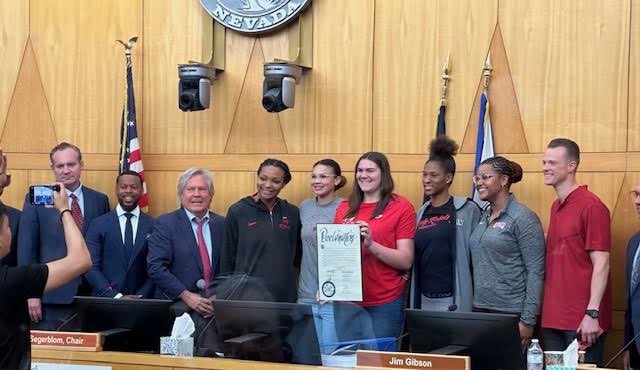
486,72
129,44
445,80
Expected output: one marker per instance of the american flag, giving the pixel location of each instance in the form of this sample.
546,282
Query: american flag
130,153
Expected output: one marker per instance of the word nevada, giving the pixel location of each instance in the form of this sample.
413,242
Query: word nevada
254,16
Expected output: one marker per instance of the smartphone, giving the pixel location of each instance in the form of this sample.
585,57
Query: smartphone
42,195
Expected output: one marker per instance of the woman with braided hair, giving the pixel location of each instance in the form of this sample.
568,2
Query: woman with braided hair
507,249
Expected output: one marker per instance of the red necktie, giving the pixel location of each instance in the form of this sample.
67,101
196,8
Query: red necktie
76,212
204,254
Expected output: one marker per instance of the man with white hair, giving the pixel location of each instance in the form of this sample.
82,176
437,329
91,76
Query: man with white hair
184,247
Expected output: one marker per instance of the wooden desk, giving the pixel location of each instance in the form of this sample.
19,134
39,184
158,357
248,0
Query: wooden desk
143,361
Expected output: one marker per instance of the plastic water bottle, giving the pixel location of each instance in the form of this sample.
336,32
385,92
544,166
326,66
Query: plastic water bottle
535,356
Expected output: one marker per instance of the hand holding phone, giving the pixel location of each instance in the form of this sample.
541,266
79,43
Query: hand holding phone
60,198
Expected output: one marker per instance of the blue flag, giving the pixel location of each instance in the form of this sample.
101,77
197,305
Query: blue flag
484,142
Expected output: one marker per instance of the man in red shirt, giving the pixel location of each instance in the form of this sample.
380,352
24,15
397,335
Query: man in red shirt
577,292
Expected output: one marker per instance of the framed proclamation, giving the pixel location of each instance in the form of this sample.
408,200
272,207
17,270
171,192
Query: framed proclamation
339,262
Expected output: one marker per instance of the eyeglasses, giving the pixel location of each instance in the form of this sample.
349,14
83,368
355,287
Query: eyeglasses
634,194
484,177
322,177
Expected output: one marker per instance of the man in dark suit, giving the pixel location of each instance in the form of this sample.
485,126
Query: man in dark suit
118,245
631,358
41,238
181,240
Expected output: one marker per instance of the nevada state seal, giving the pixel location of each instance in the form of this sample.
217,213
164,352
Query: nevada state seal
254,16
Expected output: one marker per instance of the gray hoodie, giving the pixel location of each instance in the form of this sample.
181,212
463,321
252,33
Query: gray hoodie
467,217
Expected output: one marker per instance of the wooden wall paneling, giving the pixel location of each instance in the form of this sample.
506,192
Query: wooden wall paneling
533,193
506,124
82,67
102,181
569,62
624,223
633,134
254,130
14,195
162,187
14,31
333,101
173,32
29,127
230,188
411,43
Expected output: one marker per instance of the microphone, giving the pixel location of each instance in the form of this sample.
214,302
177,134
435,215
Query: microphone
453,307
623,349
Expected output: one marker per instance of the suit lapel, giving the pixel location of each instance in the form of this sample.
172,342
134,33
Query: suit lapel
633,249
192,244
144,226
89,209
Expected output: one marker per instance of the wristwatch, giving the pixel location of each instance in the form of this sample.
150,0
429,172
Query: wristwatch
592,313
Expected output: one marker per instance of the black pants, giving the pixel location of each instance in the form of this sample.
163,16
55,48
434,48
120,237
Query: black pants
558,340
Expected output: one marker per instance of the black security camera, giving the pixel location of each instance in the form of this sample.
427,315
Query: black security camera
279,88
194,87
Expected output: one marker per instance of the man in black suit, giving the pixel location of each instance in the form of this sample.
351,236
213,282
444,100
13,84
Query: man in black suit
630,358
118,245
41,238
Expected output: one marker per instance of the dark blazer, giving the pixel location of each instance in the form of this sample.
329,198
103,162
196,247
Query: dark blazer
41,238
112,273
14,220
632,315
174,262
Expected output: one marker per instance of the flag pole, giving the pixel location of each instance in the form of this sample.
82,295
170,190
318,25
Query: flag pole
445,81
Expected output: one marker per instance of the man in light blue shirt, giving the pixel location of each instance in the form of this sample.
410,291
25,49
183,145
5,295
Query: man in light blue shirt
184,246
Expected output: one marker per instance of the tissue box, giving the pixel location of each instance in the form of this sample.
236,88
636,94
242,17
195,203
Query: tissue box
176,346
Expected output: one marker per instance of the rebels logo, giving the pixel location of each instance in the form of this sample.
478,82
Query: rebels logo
284,224
432,221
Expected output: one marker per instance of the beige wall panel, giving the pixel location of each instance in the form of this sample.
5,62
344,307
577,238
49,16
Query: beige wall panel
162,191
102,181
411,43
508,133
29,127
569,62
275,45
14,31
536,195
254,130
14,195
633,135
624,224
333,101
82,67
230,188
173,32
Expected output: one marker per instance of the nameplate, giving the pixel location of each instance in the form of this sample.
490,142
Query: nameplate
63,340
404,360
